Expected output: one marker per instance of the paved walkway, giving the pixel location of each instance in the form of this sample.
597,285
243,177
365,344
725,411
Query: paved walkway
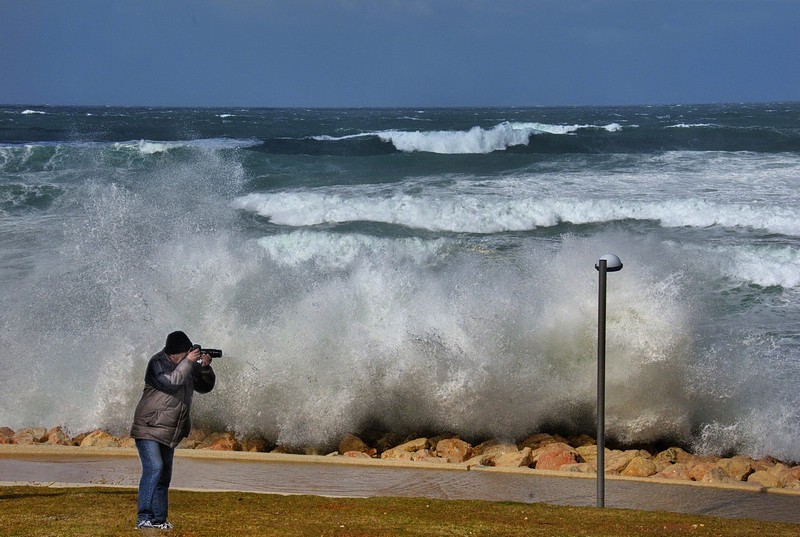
326,476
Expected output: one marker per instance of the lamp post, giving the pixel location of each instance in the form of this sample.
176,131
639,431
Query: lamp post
607,263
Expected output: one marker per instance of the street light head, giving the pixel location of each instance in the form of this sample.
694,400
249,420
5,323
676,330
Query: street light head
613,263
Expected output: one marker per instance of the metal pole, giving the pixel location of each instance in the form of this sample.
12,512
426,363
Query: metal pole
601,385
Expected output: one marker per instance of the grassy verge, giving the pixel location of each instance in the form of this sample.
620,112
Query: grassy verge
67,512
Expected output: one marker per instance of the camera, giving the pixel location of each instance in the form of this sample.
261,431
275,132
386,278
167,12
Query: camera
214,353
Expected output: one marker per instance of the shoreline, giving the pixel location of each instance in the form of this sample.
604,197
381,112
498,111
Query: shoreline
540,452
63,453
327,476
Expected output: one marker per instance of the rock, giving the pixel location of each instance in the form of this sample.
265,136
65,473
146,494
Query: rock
488,454
554,455
616,461
589,453
579,467
672,455
764,479
30,435
536,441
356,455
195,438
6,435
515,459
254,444
352,443
699,470
782,472
715,474
58,437
397,455
99,438
220,442
675,471
387,441
425,455
738,468
640,467
453,450
76,440
582,440
412,446
127,442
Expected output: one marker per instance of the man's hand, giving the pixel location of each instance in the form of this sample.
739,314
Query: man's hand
194,354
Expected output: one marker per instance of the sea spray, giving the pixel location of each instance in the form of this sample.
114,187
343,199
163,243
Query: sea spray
355,285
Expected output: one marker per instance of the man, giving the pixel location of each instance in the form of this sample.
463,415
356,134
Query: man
161,420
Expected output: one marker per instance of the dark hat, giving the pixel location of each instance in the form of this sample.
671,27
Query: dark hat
177,342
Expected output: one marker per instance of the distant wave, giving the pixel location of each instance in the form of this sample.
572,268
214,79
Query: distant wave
476,140
149,147
691,125
28,112
492,213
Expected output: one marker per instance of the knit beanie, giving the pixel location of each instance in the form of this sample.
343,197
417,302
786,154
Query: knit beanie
177,342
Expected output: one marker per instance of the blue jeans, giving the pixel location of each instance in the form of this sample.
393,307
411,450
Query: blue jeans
154,485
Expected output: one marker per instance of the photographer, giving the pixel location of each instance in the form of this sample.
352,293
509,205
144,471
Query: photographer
161,420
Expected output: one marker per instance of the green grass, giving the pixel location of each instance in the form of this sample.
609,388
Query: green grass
67,512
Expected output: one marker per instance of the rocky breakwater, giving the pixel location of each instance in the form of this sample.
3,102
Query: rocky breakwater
537,452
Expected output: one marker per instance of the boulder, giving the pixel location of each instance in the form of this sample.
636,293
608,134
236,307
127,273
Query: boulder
582,440
782,472
516,459
616,461
589,453
387,441
765,479
397,455
453,450
412,446
554,455
6,435
488,454
127,442
58,437
425,455
715,474
699,470
579,467
254,444
351,442
672,455
640,466
537,440
356,455
220,442
30,435
738,468
675,471
99,438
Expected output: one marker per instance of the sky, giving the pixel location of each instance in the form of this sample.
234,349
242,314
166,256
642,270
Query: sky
398,53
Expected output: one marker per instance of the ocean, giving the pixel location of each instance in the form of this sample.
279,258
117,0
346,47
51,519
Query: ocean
409,270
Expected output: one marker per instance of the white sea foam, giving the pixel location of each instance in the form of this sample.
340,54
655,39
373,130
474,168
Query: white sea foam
476,140
690,125
149,147
28,112
500,210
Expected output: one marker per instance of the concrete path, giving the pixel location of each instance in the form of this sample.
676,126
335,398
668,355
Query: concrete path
339,476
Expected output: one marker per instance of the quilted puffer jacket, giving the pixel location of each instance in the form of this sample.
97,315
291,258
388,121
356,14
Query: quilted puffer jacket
163,411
